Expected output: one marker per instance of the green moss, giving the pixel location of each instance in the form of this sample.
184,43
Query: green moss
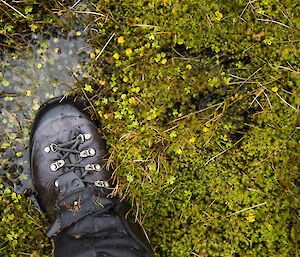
198,102
22,226
243,149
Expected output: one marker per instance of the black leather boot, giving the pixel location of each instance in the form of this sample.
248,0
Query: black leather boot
75,187
66,153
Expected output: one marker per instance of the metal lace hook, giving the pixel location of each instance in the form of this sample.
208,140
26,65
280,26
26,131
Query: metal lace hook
87,153
56,165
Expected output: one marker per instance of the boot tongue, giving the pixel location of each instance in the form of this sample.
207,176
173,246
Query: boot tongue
69,182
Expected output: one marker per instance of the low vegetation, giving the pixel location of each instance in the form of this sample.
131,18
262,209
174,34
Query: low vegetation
198,101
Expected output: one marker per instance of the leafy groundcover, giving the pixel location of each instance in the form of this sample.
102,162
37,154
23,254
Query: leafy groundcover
198,101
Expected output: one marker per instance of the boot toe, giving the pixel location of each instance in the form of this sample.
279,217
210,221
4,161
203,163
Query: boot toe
64,126
55,109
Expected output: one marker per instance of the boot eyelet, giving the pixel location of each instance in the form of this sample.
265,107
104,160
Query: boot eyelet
53,167
87,136
95,167
92,151
47,149
53,147
81,138
87,152
56,165
101,183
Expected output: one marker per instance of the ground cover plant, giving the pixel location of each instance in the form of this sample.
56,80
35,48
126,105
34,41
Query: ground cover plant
198,101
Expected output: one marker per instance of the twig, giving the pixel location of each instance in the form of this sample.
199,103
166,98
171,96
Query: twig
279,23
186,204
202,110
246,209
195,254
261,90
75,4
286,102
236,77
171,128
105,45
249,48
14,9
289,41
250,2
145,25
268,99
223,151
210,23
257,191
288,92
131,65
286,16
245,81
86,12
286,68
178,52
91,24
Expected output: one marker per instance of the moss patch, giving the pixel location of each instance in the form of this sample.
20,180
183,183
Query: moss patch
199,102
22,227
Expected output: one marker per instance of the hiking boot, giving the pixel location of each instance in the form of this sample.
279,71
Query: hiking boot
75,188
66,153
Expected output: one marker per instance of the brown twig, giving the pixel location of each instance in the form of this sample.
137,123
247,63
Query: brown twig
279,23
247,209
14,9
105,45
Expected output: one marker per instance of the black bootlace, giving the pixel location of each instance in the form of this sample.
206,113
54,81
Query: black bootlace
71,147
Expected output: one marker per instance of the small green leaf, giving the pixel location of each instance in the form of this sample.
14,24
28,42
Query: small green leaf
5,83
88,88
171,180
130,178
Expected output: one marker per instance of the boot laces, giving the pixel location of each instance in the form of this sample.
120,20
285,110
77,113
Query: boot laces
71,147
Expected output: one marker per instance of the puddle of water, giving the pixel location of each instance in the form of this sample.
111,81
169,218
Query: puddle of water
27,80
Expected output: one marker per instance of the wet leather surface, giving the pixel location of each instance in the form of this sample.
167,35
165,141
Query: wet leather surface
60,131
